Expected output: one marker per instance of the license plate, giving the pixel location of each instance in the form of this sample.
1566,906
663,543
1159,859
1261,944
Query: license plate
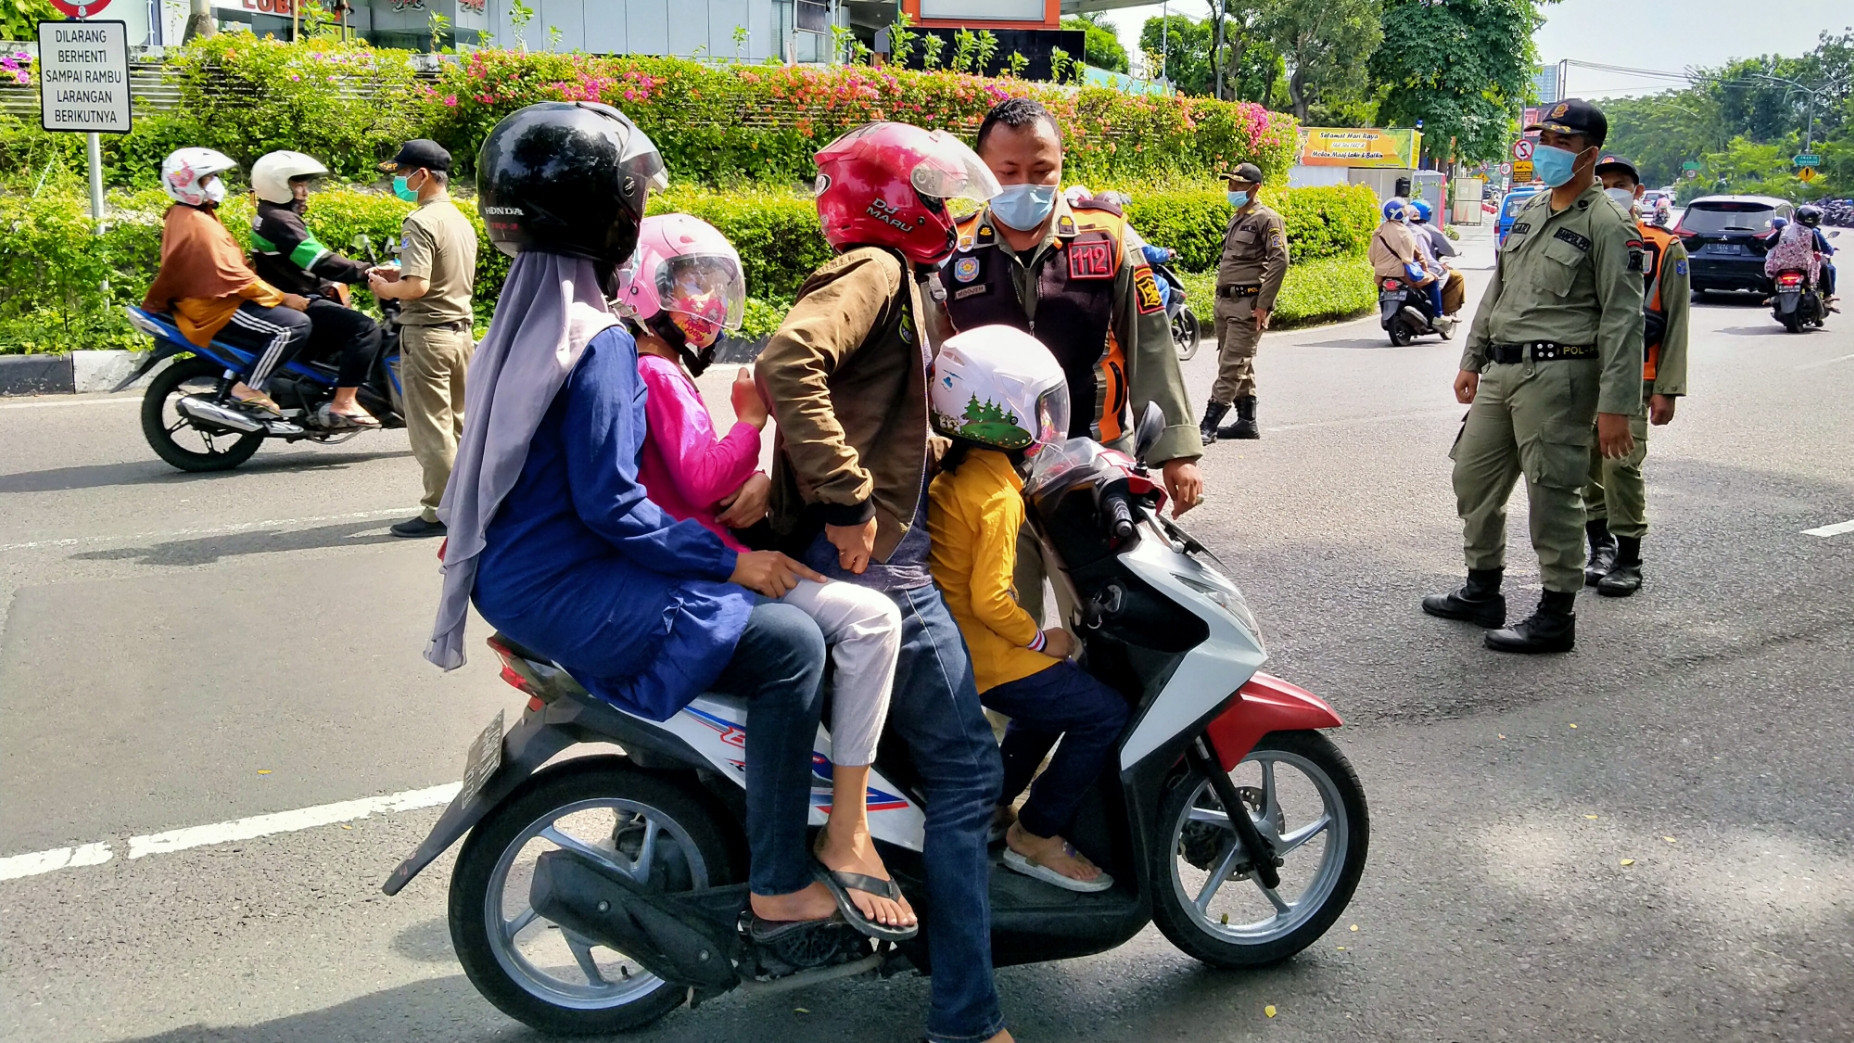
485,760
1726,248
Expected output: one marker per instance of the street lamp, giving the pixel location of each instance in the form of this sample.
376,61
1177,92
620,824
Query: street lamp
1799,88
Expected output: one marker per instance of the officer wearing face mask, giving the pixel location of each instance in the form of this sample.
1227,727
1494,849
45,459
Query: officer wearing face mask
1249,275
1063,273
1555,351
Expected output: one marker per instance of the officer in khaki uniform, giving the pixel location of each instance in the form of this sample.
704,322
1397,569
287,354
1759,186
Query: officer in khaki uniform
1616,500
1249,275
1555,351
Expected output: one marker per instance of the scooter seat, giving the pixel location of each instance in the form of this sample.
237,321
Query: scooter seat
161,325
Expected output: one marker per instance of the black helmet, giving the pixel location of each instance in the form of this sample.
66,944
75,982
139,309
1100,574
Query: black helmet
569,178
1810,216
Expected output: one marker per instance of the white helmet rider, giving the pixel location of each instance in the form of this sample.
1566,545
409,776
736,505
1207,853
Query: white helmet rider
999,387
272,173
185,171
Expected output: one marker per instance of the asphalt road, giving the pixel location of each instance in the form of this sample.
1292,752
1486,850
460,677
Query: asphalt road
178,651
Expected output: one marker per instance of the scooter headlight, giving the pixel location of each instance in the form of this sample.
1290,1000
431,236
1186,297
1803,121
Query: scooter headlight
1225,596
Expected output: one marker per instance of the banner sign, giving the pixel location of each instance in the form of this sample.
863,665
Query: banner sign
1360,147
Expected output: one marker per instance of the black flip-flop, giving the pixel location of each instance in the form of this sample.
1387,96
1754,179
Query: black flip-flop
841,882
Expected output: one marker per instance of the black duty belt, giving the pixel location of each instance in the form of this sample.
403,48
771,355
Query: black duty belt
1539,351
1228,292
454,327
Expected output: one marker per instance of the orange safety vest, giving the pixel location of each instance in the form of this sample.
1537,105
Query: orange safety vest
1655,242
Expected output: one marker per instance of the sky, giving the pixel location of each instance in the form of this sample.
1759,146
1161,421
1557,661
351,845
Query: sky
1667,35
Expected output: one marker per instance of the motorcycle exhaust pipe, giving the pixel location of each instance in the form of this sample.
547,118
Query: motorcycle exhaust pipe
594,903
207,411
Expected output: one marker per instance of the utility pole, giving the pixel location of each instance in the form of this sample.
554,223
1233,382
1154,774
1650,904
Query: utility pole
1216,59
200,23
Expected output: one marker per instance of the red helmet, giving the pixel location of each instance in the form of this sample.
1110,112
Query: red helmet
886,184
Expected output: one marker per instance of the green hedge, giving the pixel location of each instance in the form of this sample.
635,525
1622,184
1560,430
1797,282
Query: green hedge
1321,222
1314,293
351,105
52,270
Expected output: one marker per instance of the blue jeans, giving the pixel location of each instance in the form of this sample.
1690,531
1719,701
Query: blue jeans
778,667
1063,702
1435,298
935,711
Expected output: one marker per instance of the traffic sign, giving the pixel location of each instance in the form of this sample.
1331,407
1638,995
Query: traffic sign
81,8
1522,149
1506,168
1692,175
1806,174
1806,159
1691,164
1522,170
84,77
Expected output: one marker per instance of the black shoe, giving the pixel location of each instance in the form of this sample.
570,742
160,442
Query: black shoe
418,528
1479,602
1622,581
1213,415
1603,549
1552,628
1245,426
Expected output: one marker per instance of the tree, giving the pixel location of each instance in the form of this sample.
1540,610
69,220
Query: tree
1186,43
1463,68
200,21
19,19
1326,44
1101,44
1232,26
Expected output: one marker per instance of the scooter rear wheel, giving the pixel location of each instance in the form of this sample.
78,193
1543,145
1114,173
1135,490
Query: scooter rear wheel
164,427
1304,797
1402,334
1186,334
533,970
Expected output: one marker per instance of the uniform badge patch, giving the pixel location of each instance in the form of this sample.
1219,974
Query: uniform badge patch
1680,267
1520,228
966,269
970,291
1146,291
1637,256
1091,260
1583,242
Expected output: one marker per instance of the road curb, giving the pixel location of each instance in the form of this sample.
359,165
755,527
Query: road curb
79,372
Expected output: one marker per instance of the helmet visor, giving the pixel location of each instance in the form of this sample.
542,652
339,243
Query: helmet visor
641,158
705,290
1052,417
953,171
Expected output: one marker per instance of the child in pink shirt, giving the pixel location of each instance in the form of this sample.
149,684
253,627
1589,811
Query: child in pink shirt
683,287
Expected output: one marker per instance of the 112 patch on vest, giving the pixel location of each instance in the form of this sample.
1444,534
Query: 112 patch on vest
1091,259
1146,291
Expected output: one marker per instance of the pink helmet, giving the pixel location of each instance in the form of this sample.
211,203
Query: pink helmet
687,272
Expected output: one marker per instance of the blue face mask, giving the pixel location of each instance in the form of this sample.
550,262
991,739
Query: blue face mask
400,190
1023,207
1554,166
1239,199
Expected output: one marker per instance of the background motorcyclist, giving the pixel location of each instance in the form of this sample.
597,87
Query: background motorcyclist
1454,286
206,283
289,256
1811,218
1394,255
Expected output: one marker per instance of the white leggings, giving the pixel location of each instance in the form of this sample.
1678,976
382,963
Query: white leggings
862,628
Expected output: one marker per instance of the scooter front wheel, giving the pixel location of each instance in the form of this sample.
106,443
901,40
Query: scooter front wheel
538,972
1305,799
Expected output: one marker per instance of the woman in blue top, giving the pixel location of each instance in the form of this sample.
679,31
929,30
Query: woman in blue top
550,531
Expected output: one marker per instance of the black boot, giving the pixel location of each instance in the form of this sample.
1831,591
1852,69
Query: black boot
1213,415
1479,602
1602,551
1244,427
1553,628
1626,577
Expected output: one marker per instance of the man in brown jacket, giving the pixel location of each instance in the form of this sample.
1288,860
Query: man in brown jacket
846,378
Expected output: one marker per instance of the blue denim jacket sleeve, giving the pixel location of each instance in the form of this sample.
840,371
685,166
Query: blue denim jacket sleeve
604,431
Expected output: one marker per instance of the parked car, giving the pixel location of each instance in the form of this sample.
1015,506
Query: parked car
1727,237
1510,207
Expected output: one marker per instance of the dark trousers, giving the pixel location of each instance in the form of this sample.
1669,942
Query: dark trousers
276,335
1063,702
778,668
935,711
338,332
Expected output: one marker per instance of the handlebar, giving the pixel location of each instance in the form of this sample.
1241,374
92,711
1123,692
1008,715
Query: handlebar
1117,516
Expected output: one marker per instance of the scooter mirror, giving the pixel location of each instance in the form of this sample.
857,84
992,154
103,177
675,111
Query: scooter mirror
1146,435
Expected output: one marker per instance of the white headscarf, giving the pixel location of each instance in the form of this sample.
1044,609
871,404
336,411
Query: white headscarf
550,308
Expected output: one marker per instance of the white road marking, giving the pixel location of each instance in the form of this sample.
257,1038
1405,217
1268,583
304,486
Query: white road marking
1828,362
39,862
211,530
65,401
57,858
1831,530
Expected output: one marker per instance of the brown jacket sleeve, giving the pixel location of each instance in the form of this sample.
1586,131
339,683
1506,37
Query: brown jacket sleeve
1274,268
836,310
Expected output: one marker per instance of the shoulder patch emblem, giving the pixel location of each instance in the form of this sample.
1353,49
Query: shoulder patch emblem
966,269
1091,260
965,244
1146,291
1065,225
1680,267
1583,242
986,234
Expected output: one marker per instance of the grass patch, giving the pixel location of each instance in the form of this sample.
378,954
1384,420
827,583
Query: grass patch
1314,293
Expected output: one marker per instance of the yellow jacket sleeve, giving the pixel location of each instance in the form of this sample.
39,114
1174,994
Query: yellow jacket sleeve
994,562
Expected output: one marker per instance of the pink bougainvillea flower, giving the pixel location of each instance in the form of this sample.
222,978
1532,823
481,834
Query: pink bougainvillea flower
450,100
